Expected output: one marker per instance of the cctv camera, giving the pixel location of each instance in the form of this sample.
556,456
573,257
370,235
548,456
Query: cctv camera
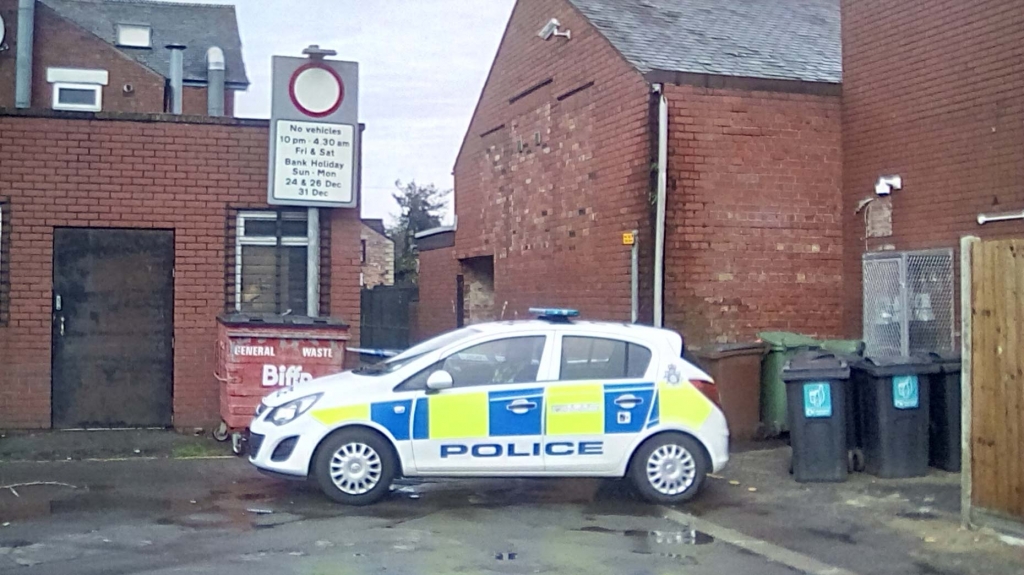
549,29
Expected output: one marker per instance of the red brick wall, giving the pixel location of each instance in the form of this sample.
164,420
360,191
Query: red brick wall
552,214
932,92
194,102
137,174
62,44
753,233
435,312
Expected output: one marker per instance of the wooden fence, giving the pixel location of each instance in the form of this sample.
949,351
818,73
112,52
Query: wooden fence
994,378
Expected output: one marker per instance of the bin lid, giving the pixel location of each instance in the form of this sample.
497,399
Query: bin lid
724,350
258,319
884,366
815,364
844,346
783,340
948,361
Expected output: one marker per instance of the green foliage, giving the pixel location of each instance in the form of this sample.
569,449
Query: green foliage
421,208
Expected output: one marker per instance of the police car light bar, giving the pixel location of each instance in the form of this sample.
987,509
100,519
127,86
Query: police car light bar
554,313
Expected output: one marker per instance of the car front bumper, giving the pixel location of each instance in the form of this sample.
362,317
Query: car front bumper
283,450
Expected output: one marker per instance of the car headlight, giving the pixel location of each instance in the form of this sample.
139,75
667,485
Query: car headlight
288,412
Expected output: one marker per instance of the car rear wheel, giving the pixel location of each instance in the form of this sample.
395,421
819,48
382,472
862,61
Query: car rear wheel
354,467
669,468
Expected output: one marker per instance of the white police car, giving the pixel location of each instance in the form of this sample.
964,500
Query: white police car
539,398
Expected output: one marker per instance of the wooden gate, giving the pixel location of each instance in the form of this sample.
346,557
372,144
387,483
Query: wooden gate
994,278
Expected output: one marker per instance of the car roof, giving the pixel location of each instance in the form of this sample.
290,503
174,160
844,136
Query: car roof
583,326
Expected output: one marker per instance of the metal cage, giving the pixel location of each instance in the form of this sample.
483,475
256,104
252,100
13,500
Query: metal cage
908,302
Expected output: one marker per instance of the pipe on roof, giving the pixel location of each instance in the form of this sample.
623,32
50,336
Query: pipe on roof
23,62
215,67
177,76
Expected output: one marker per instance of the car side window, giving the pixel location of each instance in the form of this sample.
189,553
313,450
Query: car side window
510,360
602,358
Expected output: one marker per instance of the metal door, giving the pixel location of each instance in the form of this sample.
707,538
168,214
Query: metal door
112,328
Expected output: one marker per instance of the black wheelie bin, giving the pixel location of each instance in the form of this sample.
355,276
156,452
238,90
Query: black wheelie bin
893,411
816,393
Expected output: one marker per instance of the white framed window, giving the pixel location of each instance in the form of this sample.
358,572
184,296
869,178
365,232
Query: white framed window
77,97
277,262
134,36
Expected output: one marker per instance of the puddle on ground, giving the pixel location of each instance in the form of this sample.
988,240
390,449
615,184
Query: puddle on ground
661,543
230,505
923,514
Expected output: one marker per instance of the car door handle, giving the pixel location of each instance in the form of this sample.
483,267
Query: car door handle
628,401
521,406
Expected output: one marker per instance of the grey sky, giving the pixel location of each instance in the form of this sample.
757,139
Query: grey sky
422,66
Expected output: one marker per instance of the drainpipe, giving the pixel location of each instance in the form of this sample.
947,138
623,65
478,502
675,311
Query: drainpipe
215,81
659,230
177,74
23,66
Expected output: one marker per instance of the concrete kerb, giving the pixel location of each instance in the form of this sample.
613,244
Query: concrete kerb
773,553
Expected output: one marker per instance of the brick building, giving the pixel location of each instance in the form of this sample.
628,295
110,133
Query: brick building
106,55
377,254
942,110
161,216
561,158
933,141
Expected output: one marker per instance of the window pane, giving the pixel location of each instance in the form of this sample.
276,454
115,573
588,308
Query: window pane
597,358
294,276
263,281
638,361
512,360
133,36
259,228
294,225
258,277
76,96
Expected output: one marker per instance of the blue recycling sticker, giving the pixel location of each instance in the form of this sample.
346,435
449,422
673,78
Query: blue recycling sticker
906,393
817,399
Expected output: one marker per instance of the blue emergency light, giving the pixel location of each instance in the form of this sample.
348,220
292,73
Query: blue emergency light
554,314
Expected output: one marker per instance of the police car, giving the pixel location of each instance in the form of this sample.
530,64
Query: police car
550,397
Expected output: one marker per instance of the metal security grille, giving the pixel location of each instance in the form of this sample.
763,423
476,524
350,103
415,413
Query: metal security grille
908,302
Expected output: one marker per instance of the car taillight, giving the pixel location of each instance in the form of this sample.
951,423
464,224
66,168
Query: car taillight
709,389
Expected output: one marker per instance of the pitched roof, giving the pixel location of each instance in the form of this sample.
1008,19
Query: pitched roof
197,26
376,225
775,39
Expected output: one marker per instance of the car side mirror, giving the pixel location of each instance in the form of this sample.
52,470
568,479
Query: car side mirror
439,380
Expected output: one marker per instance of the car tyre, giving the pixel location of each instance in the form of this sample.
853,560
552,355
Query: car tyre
354,466
669,468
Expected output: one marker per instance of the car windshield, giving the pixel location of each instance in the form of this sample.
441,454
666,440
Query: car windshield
399,361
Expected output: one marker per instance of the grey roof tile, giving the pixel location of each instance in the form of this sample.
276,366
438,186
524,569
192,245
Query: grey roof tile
197,26
775,39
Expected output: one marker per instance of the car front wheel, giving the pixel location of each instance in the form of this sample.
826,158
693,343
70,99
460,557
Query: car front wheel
354,467
669,468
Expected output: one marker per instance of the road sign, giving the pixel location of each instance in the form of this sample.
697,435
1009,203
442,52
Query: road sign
314,132
628,238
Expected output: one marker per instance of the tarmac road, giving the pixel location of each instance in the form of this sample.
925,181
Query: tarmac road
219,516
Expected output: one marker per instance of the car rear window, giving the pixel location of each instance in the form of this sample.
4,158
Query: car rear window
602,358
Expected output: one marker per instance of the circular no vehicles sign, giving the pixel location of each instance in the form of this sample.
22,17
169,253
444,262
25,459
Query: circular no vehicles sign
314,142
316,90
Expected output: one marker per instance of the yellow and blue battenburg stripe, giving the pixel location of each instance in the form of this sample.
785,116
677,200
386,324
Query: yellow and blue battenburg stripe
561,409
627,406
